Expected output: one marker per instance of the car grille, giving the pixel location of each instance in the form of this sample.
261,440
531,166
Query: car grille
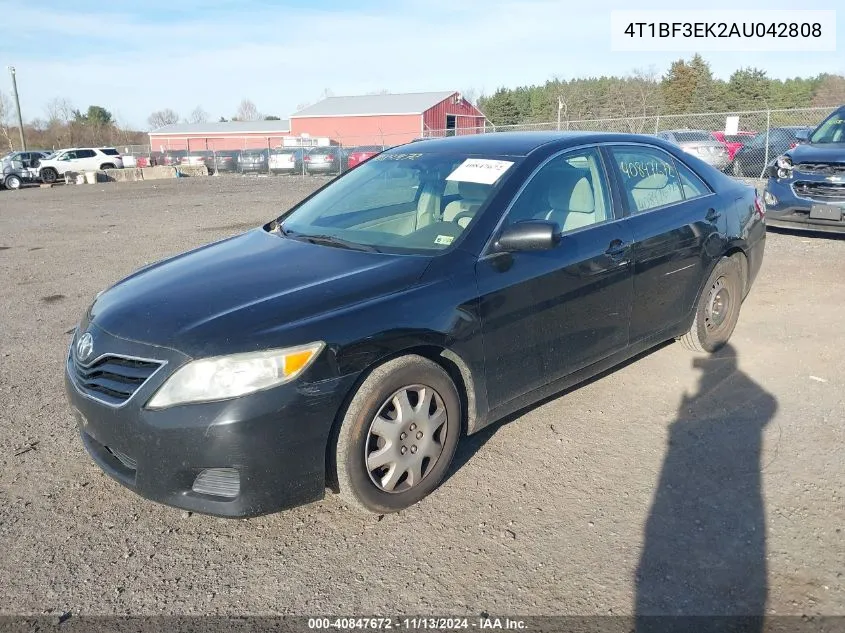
822,191
821,169
113,379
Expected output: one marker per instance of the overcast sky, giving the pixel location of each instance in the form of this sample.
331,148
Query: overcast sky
136,57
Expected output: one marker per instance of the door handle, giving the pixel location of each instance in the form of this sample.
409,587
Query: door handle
712,215
617,249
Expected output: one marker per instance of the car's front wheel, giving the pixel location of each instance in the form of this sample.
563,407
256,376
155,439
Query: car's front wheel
717,310
398,435
12,182
49,175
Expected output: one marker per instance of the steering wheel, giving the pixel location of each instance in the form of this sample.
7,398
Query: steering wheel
463,214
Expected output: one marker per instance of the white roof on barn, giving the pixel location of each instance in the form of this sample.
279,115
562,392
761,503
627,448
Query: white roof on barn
373,105
226,127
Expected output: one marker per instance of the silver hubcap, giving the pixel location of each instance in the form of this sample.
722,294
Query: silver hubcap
718,305
406,438
13,183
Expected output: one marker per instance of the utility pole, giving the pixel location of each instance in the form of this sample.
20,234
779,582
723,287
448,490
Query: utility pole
559,108
18,106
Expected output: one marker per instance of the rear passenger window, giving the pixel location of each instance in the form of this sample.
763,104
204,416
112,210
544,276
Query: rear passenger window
693,186
649,178
110,152
85,153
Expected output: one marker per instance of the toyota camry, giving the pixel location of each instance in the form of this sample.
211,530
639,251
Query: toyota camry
350,343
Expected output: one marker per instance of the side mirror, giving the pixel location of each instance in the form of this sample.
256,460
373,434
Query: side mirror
802,135
531,235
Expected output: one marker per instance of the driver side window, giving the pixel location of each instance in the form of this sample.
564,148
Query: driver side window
570,190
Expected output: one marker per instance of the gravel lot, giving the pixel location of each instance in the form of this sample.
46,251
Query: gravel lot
634,492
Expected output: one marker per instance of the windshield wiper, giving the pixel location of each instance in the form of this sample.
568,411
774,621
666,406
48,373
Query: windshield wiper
328,240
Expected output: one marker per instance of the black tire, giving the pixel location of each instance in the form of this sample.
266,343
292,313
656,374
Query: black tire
717,309
12,182
49,175
107,166
356,437
737,168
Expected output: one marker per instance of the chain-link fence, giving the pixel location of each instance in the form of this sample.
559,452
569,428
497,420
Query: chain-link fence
740,143
751,139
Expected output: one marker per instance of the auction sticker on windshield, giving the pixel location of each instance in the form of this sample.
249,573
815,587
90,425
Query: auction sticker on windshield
484,171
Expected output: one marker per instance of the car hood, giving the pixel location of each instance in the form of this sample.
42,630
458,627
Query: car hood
243,292
821,153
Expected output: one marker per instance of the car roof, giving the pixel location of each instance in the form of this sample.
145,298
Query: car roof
70,149
520,143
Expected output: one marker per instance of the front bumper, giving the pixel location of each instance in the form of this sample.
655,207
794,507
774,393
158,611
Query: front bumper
252,167
792,212
275,439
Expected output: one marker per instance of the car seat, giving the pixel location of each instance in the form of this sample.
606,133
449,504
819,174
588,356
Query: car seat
572,200
472,197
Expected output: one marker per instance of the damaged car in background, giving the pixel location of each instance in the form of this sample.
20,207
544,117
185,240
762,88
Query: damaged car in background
19,168
806,184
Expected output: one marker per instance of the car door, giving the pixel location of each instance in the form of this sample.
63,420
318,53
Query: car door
65,161
86,160
750,156
546,314
678,226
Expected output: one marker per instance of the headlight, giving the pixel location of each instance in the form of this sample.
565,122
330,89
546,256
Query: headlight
225,377
784,162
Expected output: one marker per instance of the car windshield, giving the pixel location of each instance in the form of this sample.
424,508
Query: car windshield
693,137
737,138
830,131
400,201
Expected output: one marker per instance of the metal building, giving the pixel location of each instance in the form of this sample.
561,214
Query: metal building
229,135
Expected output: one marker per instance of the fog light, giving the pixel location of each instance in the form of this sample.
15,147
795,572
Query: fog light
769,198
219,482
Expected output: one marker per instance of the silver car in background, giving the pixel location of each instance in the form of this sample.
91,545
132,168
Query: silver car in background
699,143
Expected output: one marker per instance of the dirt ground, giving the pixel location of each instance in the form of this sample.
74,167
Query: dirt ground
675,484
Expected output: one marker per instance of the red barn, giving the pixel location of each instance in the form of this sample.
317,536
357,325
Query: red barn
388,119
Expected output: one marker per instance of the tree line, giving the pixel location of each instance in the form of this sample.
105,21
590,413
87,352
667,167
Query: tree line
247,111
688,86
64,125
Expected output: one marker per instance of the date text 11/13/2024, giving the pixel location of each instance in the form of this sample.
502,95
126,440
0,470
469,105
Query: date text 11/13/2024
416,624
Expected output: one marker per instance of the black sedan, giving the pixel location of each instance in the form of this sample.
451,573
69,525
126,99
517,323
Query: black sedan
751,159
425,294
806,185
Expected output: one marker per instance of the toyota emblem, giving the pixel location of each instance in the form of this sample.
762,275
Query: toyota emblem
85,347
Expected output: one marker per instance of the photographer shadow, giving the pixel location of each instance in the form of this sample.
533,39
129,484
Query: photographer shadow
703,563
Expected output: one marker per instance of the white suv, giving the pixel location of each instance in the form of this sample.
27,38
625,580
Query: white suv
79,159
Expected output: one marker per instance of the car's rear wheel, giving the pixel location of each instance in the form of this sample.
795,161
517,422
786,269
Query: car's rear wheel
12,182
107,166
49,175
398,435
717,311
